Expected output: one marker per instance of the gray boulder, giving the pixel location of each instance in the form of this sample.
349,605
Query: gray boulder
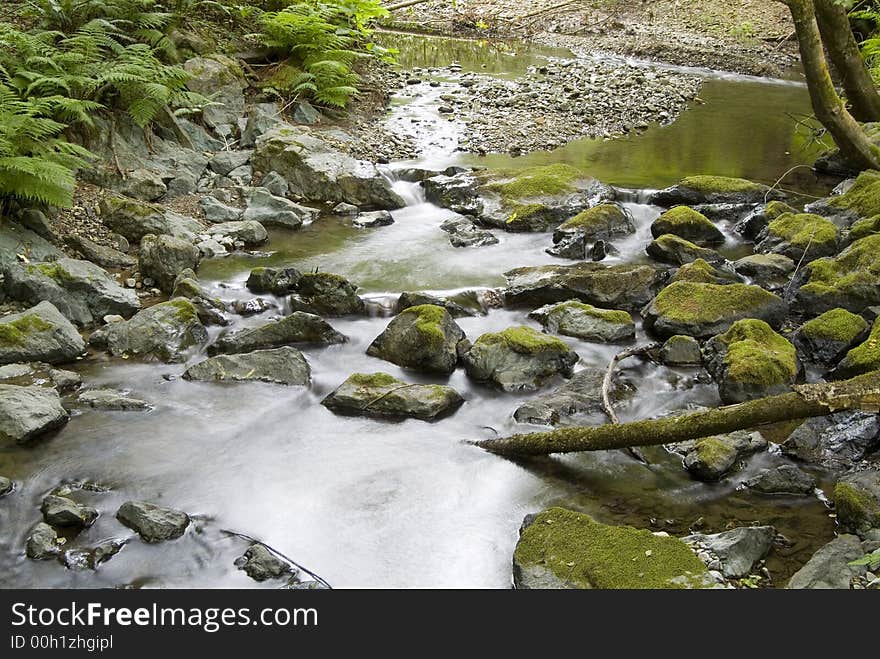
219,78
217,212
714,190
465,233
381,395
260,564
275,183
586,322
738,550
151,522
325,294
110,399
61,511
164,257
210,309
80,290
283,365
836,441
104,256
424,338
225,161
580,395
39,334
768,270
298,327
249,232
278,281
43,543
830,566
16,240
784,479
711,458
28,412
261,118
373,219
674,250
457,192
272,211
681,350
136,219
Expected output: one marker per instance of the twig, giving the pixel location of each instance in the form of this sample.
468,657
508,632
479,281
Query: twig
402,5
779,180
607,407
251,539
798,266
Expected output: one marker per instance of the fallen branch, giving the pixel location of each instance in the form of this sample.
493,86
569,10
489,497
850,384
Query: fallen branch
402,5
809,400
253,540
609,376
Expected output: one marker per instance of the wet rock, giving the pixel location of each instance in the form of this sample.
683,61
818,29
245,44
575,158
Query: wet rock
165,332
580,395
857,201
61,511
209,249
559,548
770,270
424,338
373,219
799,236
252,307
714,190
381,395
681,350
272,211
415,299
457,193
278,281
43,543
586,322
38,373
317,172
163,258
298,327
28,412
864,358
104,256
110,399
151,522
750,361
784,479
836,441
136,219
217,212
826,339
672,249
848,281
209,308
739,550
345,209
857,501
830,566
622,286
80,290
518,358
711,458
325,294
39,334
758,218
465,233
260,564
89,558
688,224
6,486
700,272
704,310
219,78
225,161
284,365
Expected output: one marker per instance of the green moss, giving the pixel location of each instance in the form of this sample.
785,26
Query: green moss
686,222
523,212
524,340
803,229
599,217
708,184
866,356
536,182
52,271
758,355
776,208
695,302
587,554
856,267
696,271
184,310
608,315
15,332
855,508
373,380
429,320
863,197
715,453
866,227
835,325
669,241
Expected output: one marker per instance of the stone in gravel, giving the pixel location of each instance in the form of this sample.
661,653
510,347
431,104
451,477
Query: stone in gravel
217,212
260,564
41,333
714,190
110,399
104,256
739,550
836,441
580,395
283,365
298,327
711,458
43,543
226,161
784,479
465,233
81,290
373,219
423,338
325,294
28,412
6,486
381,395
151,522
272,211
681,350
585,322
830,566
61,511
164,257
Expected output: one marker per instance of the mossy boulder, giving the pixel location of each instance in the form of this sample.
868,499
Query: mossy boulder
209,307
518,358
689,224
164,257
869,226
857,501
603,222
296,328
325,294
864,358
757,220
28,412
284,365
675,250
136,219
381,395
40,334
799,236
681,350
166,332
750,361
704,310
861,200
586,322
423,338
826,339
278,281
848,280
699,270
621,286
560,548
714,190
409,299
82,291
711,458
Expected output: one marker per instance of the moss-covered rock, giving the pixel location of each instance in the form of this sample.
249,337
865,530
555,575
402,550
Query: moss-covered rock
799,236
689,224
848,281
863,358
869,226
40,334
714,190
768,270
518,358
278,281
164,257
857,501
826,338
681,350
135,219
750,361
711,458
560,548
424,338
675,250
861,200
603,222
381,395
209,308
586,322
703,310
700,271
756,221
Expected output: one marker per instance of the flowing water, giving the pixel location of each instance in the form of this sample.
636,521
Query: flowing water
409,504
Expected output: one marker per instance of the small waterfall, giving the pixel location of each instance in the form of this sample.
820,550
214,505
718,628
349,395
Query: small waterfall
628,196
412,193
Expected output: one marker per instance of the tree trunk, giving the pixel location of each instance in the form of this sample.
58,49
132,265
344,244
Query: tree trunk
843,51
862,392
854,145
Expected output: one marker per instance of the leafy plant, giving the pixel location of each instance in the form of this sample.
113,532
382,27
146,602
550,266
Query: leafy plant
872,560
